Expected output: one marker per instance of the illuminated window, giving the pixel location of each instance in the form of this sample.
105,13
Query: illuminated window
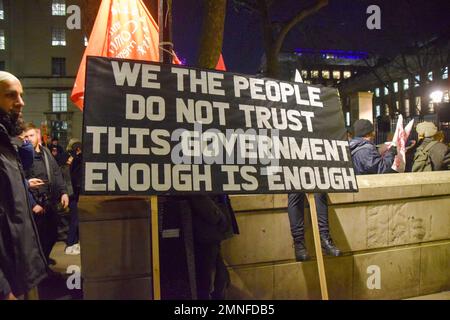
325,74
2,40
347,119
405,84
395,86
386,91
85,41
2,11
445,73
336,74
407,108
418,103
430,75
58,8
417,82
59,102
397,105
446,97
304,74
386,109
58,37
377,111
377,92
347,74
307,82
314,74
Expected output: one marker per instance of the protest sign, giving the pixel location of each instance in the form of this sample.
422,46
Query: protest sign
152,128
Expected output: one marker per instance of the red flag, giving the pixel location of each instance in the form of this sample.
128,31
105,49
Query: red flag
221,64
123,29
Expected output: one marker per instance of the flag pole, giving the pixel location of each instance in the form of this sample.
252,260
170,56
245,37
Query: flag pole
155,248
318,247
165,36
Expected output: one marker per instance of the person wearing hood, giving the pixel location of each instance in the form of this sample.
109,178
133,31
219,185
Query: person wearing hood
432,154
365,156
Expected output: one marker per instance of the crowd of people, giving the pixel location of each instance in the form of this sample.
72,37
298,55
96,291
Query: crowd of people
39,183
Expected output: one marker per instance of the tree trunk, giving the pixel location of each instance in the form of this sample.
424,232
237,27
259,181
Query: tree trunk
272,64
212,33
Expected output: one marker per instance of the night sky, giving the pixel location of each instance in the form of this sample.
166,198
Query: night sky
341,25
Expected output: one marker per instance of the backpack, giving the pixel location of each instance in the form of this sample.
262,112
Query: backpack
422,159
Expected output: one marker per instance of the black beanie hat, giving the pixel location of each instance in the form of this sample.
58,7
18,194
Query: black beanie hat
362,127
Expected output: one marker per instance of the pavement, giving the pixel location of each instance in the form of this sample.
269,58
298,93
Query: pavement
445,295
56,287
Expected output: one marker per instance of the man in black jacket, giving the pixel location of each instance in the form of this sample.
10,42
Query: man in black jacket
22,262
213,221
48,196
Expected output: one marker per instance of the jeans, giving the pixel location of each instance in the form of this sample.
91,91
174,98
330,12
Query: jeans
72,236
296,212
47,226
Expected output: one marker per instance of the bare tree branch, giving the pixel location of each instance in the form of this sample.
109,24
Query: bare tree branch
295,20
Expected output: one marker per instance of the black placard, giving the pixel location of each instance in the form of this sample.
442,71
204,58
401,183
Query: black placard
152,128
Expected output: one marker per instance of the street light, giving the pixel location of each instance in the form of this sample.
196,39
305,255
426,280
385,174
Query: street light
436,96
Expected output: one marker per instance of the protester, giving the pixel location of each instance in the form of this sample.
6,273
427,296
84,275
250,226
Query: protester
430,155
22,262
296,212
365,156
213,221
51,197
57,151
74,162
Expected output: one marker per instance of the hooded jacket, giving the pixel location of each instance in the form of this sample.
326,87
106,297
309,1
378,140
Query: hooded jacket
367,160
22,262
439,154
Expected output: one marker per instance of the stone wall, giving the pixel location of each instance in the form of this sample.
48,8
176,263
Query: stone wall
400,223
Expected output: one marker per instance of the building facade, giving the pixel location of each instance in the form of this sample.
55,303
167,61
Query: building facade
414,84
37,46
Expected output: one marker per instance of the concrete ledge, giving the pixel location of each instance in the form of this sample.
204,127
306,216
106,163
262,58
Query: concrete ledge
400,222
371,188
97,208
405,272
119,289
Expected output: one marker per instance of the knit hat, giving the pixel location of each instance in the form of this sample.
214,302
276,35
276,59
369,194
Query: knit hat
362,127
426,129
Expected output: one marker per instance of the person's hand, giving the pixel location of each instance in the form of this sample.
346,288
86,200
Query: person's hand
38,210
34,182
11,296
413,143
69,160
393,150
65,200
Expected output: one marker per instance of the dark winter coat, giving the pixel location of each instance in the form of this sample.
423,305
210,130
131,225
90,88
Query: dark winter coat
213,218
367,160
55,185
22,263
439,154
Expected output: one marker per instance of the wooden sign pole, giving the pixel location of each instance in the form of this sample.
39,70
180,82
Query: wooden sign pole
318,247
155,248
